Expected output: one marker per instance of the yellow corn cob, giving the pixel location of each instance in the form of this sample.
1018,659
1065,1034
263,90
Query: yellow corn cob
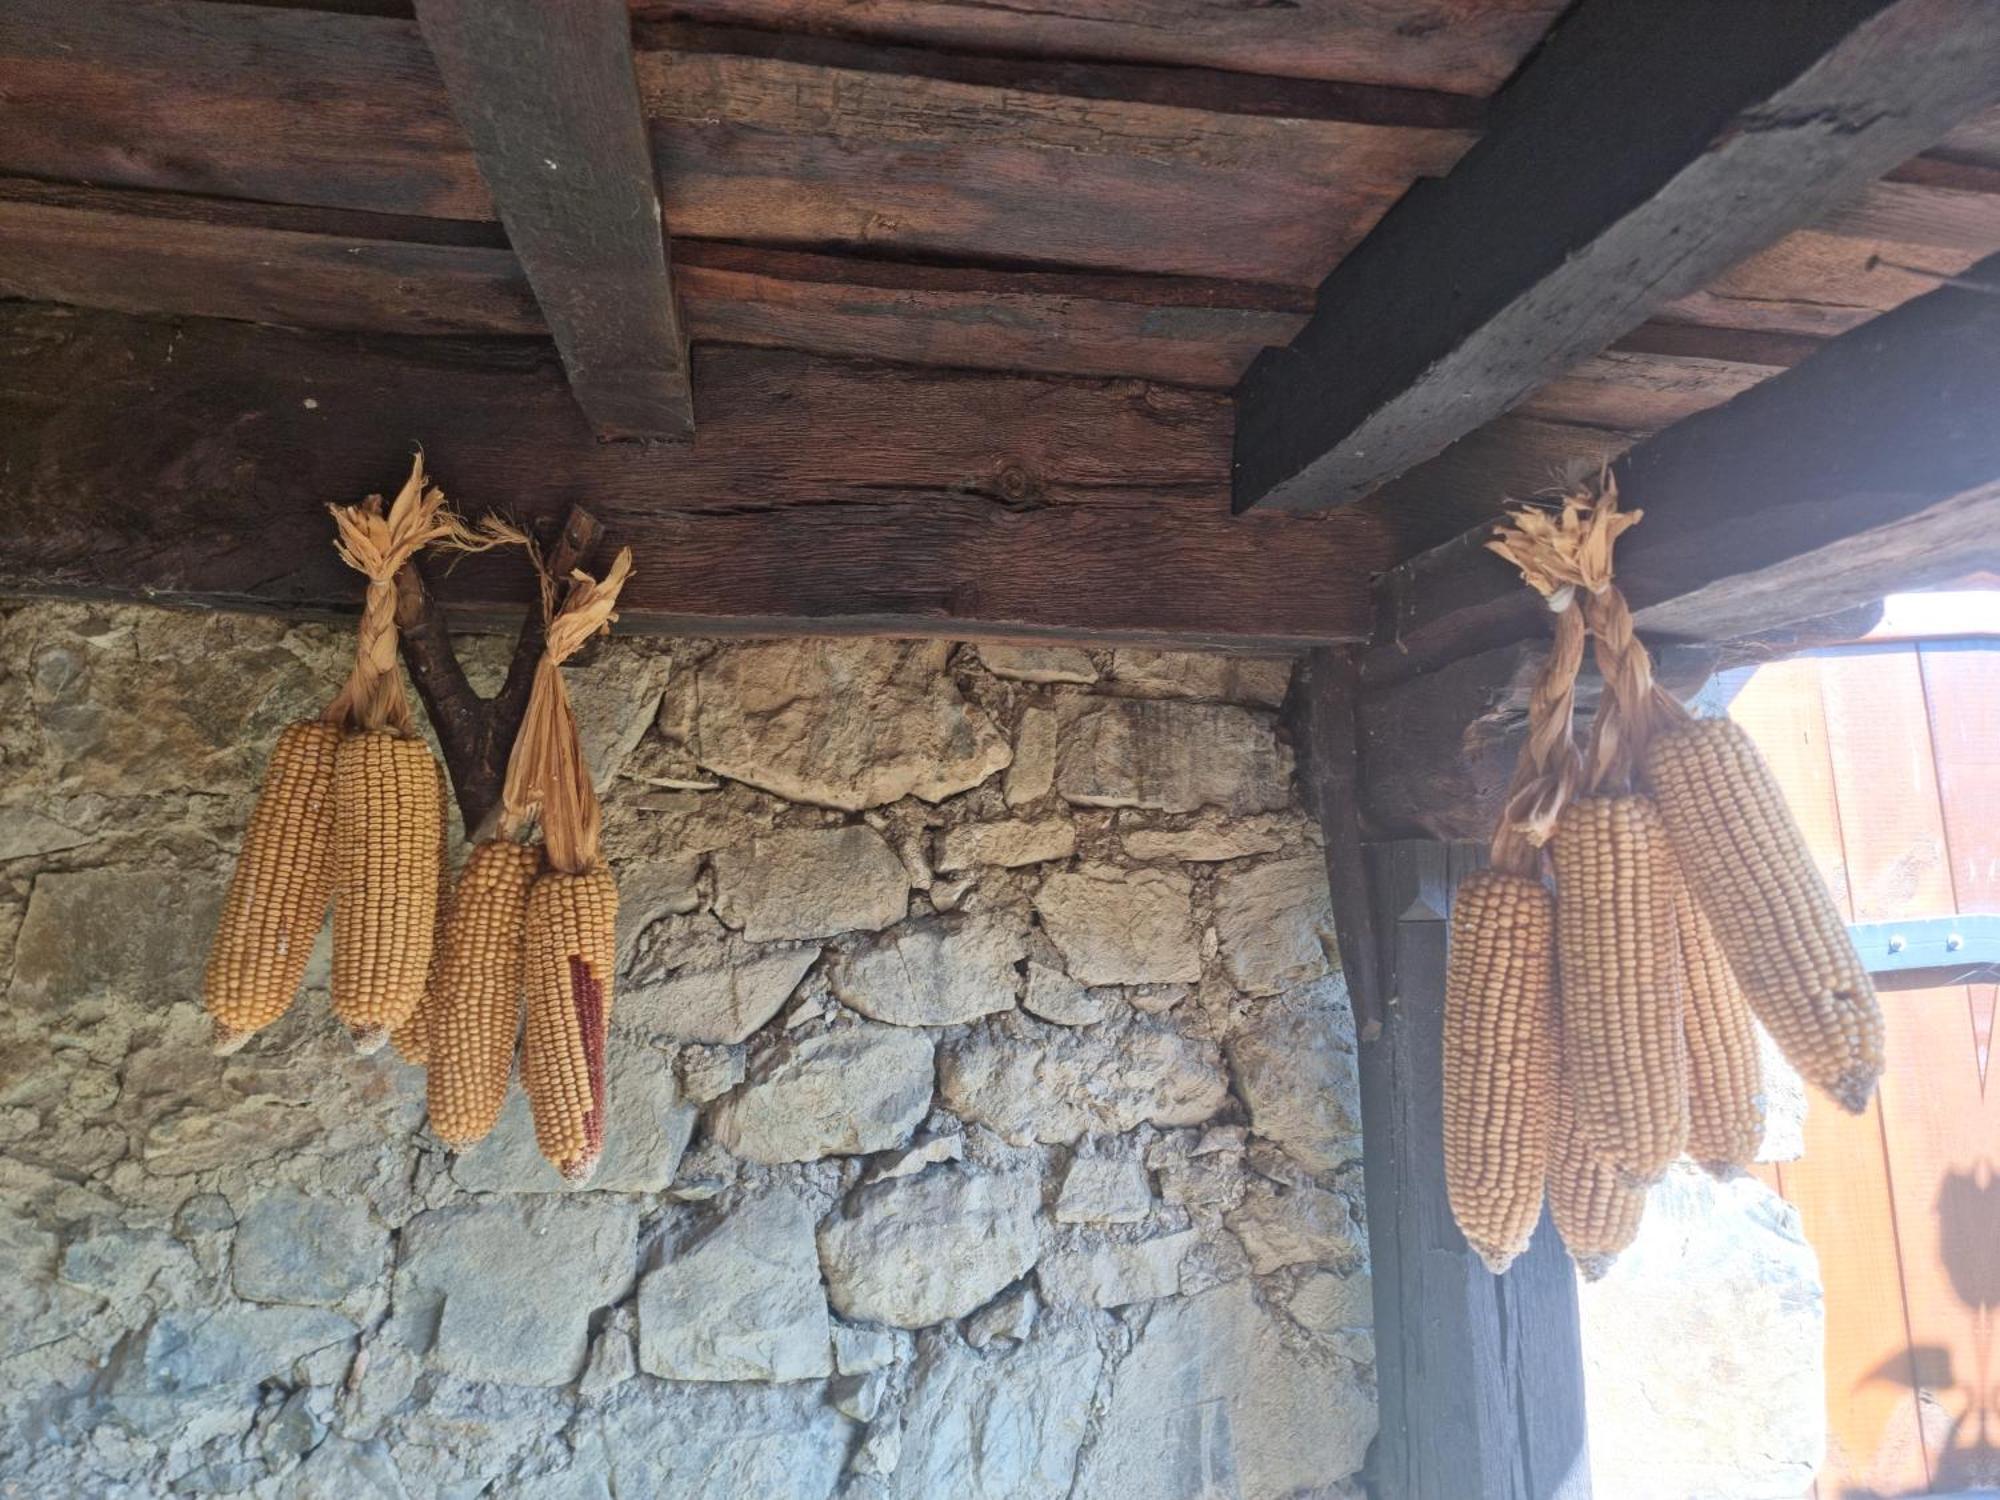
1749,867
1623,1050
1499,1061
1596,1208
277,897
478,995
412,1040
386,816
1725,1076
572,946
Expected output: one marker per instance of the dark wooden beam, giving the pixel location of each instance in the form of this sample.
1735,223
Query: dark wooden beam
548,96
1872,465
1320,715
1643,149
191,462
186,255
1480,1377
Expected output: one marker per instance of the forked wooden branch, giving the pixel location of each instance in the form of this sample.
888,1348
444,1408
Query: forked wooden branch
475,733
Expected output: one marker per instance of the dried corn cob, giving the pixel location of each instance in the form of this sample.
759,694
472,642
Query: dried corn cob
478,994
572,945
386,816
1749,867
412,1040
1623,1050
1725,1077
1595,1207
278,895
1499,1061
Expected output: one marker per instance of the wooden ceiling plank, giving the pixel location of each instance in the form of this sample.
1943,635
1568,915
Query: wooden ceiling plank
1641,151
190,462
548,96
1871,466
200,97
1459,46
155,253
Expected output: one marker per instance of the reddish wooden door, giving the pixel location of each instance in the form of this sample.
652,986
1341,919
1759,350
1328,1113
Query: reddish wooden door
1890,755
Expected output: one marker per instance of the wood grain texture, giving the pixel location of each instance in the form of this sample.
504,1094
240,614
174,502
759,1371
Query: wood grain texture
1577,215
202,97
191,462
761,148
1872,465
323,268
1320,715
1480,1377
1962,693
547,96
1462,46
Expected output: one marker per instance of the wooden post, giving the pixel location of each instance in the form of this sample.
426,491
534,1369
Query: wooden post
1480,1377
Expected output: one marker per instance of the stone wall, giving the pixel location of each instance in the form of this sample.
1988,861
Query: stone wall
983,1125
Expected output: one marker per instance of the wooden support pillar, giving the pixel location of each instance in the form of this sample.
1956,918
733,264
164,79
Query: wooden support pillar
1480,1377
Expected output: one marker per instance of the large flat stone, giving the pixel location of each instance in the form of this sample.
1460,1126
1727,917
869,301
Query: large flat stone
1215,1401
810,883
1001,1426
918,1250
1038,663
294,1248
503,1290
1122,926
1276,922
1116,1274
1295,1067
236,1344
1173,757
1282,1227
107,934
940,971
1009,844
1261,680
698,1440
737,1296
721,996
1033,771
1048,1084
844,1092
849,723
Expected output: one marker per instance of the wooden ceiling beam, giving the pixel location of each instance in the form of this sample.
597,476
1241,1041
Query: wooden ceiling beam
549,98
190,462
1644,149
1870,466
186,256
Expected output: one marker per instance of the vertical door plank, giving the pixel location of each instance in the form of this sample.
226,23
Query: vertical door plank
1841,1185
1940,1134
1962,689
1885,778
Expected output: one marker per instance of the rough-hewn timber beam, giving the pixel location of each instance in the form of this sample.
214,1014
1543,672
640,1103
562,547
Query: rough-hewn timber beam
1643,150
1872,465
548,96
191,462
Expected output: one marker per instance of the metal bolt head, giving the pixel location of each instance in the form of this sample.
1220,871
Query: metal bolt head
1896,943
1953,942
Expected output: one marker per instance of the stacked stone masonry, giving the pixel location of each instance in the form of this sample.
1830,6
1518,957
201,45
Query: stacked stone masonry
983,1123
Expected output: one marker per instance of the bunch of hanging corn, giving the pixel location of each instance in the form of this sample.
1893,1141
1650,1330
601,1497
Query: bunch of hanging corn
1684,900
350,812
540,918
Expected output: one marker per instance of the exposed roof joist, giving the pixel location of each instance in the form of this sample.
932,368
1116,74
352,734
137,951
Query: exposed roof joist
549,99
1645,149
191,463
1872,466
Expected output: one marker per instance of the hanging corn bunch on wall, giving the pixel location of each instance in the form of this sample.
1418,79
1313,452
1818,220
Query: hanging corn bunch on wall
1684,901
571,940
1499,1026
351,811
